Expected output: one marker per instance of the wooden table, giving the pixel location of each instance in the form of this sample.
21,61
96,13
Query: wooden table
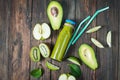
17,19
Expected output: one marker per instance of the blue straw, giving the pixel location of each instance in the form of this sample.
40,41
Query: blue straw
75,33
82,31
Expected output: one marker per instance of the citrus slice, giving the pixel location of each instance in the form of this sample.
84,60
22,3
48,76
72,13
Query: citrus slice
74,60
109,38
97,43
51,66
94,29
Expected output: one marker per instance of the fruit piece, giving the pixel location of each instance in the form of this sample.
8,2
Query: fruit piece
41,32
87,55
44,49
94,29
63,77
36,73
97,43
51,66
109,38
66,77
55,14
75,70
71,78
74,60
35,54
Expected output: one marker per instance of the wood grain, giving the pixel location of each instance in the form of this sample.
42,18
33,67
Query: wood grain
18,18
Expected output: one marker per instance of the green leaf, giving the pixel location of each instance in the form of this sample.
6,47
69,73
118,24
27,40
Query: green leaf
75,70
36,73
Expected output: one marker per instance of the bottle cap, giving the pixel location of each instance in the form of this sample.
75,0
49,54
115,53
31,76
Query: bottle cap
70,21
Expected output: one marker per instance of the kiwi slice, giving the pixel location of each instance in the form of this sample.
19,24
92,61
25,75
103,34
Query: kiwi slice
35,54
44,49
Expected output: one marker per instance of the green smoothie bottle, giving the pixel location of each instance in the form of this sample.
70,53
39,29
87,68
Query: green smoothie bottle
63,40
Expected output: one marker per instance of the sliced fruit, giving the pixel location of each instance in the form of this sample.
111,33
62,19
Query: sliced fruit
44,49
55,14
66,77
74,60
87,55
97,43
94,29
63,77
51,66
36,73
71,78
75,70
35,54
109,38
41,32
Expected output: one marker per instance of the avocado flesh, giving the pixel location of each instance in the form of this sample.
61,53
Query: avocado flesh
55,14
87,55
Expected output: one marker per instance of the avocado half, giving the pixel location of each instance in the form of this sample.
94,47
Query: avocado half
55,14
87,55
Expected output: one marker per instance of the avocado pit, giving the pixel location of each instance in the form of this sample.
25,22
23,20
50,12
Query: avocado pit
54,11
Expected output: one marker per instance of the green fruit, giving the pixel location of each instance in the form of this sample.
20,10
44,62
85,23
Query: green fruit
66,77
87,55
55,14
62,77
41,32
97,43
108,39
51,66
44,49
35,54
74,60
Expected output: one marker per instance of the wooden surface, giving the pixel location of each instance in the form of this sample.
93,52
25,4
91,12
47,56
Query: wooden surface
17,19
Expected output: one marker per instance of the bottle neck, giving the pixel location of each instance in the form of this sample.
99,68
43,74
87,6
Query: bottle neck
69,25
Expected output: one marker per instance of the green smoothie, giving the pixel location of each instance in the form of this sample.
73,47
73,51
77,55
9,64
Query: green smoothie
62,41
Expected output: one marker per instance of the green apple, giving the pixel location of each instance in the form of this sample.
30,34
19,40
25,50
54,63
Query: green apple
41,32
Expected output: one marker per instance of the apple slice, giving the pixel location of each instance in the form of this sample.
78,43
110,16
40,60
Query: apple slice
66,77
41,32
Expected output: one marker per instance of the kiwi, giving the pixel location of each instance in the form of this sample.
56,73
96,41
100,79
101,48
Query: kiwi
35,54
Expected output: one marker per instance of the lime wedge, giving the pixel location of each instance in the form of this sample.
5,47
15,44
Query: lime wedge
109,38
74,60
94,29
51,66
97,43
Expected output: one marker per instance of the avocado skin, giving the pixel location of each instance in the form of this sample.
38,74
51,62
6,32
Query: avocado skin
89,59
55,21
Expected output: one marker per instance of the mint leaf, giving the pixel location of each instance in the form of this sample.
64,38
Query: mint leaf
75,70
36,73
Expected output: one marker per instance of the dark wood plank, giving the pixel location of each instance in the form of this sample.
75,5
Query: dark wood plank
39,15
108,57
4,23
85,8
19,40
